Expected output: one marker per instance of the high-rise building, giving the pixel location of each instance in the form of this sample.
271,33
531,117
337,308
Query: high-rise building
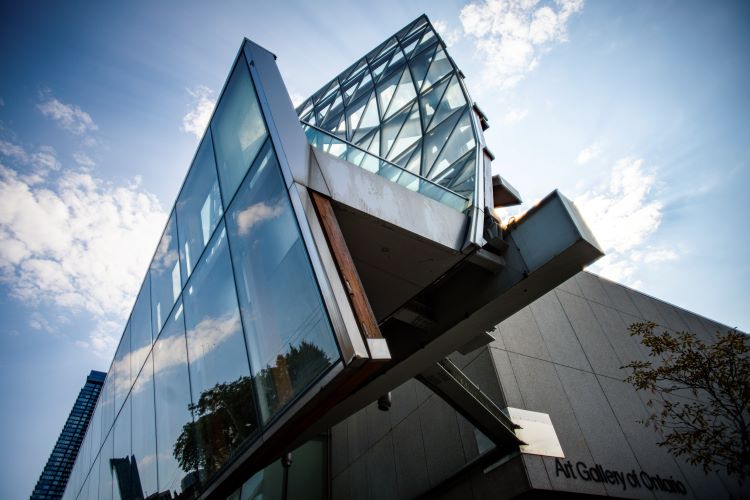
334,310
54,478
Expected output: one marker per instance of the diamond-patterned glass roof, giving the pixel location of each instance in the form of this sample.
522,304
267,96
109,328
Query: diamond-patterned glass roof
404,102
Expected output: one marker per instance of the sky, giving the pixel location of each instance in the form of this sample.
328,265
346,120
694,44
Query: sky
638,111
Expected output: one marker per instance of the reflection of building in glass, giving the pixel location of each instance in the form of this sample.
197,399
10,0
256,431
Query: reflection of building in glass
321,259
55,475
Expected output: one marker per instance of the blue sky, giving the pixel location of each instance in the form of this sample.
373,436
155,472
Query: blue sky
638,111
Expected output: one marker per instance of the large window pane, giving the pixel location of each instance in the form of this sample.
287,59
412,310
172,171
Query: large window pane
140,329
221,385
122,471
94,481
105,471
121,369
288,333
107,406
238,129
165,276
144,433
176,453
199,207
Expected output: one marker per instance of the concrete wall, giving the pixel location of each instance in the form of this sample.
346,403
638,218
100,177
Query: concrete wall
561,355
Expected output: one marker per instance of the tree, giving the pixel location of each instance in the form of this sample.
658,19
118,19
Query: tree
704,412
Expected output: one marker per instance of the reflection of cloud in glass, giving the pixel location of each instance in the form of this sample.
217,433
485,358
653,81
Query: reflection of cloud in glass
206,336
255,214
165,258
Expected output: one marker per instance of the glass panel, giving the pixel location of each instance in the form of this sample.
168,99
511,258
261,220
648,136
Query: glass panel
288,333
140,324
238,129
176,452
198,207
419,66
451,101
143,459
370,119
308,473
365,86
385,92
121,369
120,463
94,432
461,141
223,406
94,480
165,277
435,140
408,135
391,129
266,484
105,470
354,113
404,94
107,403
440,67
430,101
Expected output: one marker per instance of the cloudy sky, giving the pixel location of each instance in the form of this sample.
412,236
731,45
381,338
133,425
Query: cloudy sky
638,111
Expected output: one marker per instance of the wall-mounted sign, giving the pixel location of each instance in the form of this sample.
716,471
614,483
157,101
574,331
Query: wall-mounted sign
626,480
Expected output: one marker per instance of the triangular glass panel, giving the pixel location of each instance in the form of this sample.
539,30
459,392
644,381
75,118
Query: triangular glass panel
309,117
341,129
305,108
419,66
420,22
440,67
333,88
460,141
377,69
351,87
414,162
390,130
352,70
410,133
409,47
354,114
435,140
453,99
369,120
427,39
403,95
463,180
429,102
386,90
364,86
396,61
386,47
405,157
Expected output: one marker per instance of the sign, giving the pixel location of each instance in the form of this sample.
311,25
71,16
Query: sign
626,480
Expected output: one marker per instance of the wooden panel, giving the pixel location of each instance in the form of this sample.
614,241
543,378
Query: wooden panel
358,298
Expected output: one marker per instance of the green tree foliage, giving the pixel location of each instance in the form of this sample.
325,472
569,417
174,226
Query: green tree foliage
224,415
702,408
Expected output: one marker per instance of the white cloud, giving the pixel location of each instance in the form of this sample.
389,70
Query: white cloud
623,215
296,98
589,153
255,214
83,160
32,167
39,322
511,35
202,105
72,240
515,115
68,116
449,35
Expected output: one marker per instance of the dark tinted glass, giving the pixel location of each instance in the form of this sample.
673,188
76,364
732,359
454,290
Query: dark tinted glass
199,207
122,471
140,329
165,276
176,453
143,457
288,333
238,129
221,385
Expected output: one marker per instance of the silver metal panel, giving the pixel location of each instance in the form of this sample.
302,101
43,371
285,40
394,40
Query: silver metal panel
536,430
389,202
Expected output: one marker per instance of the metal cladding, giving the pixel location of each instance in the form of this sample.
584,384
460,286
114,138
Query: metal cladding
404,102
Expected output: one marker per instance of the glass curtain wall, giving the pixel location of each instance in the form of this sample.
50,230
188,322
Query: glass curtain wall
404,102
229,326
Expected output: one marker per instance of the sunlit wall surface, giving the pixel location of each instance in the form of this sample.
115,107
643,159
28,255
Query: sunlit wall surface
228,328
403,102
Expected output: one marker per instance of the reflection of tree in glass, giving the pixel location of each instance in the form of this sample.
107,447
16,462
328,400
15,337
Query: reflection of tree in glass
224,416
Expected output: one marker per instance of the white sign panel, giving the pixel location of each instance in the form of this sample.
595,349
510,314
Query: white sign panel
537,432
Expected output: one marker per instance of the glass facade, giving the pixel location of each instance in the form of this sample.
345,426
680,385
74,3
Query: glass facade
228,328
403,103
